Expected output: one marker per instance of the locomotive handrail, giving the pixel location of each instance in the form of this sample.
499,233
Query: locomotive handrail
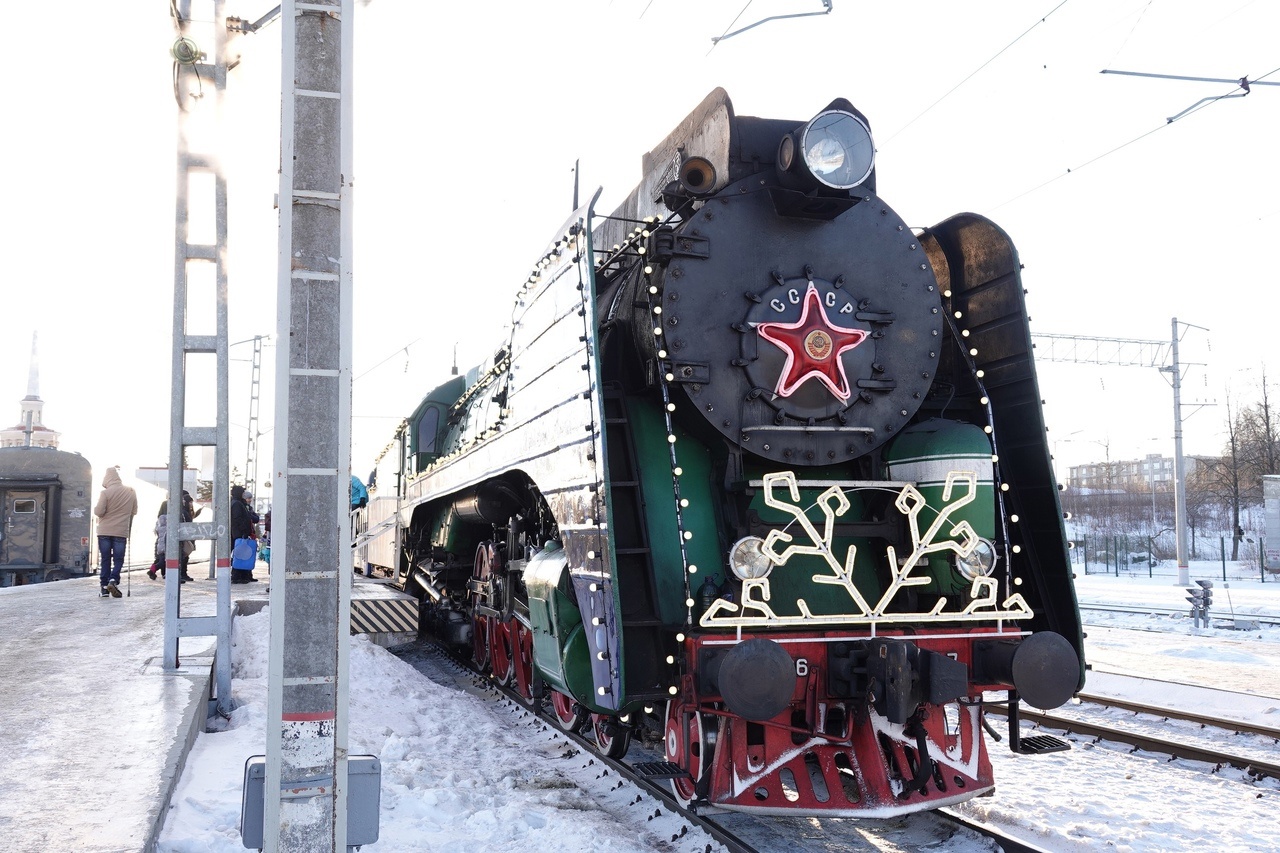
896,485
805,428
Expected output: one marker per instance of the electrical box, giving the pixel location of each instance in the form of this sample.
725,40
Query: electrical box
364,786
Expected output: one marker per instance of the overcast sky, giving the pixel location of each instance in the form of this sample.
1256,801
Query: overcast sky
471,115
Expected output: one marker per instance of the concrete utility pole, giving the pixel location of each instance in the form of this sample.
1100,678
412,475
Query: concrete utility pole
305,778
1134,352
1179,464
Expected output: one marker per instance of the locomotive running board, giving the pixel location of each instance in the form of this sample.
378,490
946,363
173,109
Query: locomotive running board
659,770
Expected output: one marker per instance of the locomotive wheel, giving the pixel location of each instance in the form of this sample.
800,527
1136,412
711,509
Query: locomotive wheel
686,746
480,641
483,572
500,648
522,658
612,737
569,714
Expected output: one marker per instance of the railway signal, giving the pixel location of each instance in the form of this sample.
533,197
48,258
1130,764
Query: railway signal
1201,596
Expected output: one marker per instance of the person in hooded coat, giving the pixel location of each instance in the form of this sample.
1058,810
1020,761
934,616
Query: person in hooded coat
185,549
241,528
117,505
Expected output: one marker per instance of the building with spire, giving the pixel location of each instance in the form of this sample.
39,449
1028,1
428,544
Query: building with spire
31,431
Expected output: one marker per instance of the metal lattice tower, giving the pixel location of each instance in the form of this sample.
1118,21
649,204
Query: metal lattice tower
251,450
1078,349
201,194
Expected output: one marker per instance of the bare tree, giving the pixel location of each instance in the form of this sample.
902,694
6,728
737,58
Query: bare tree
1259,442
1221,479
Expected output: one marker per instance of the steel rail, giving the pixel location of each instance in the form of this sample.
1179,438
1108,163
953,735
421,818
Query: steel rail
703,819
1007,843
1150,743
1237,726
724,836
1139,610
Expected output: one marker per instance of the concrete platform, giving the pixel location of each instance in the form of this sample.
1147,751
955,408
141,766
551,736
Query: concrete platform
93,731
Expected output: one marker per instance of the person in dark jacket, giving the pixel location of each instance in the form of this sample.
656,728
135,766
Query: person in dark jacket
241,528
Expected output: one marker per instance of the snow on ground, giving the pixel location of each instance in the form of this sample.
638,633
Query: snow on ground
1100,796
458,774
1171,648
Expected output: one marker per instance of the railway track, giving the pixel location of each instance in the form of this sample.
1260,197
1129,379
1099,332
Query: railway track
585,745
1215,614
1255,767
731,829
1237,726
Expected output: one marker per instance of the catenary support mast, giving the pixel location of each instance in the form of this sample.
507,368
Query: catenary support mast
1135,353
199,268
255,430
1179,464
306,761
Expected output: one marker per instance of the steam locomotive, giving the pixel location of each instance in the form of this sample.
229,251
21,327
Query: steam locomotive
760,471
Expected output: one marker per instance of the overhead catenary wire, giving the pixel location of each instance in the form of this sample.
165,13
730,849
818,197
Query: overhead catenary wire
1132,29
826,10
972,73
1241,84
731,25
402,349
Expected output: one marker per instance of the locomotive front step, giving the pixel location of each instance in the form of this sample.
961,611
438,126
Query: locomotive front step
659,770
1040,744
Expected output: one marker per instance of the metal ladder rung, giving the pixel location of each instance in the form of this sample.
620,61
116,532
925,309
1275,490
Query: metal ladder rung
200,252
199,436
200,343
197,626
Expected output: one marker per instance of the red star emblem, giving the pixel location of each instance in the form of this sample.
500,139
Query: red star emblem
813,346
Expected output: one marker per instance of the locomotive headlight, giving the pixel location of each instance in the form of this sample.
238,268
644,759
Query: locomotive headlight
748,560
837,149
981,561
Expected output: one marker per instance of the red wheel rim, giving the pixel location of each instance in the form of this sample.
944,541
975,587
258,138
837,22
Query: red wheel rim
500,651
522,658
569,714
480,641
481,630
611,737
684,744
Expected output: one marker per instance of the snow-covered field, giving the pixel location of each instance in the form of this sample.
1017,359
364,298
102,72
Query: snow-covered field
461,772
